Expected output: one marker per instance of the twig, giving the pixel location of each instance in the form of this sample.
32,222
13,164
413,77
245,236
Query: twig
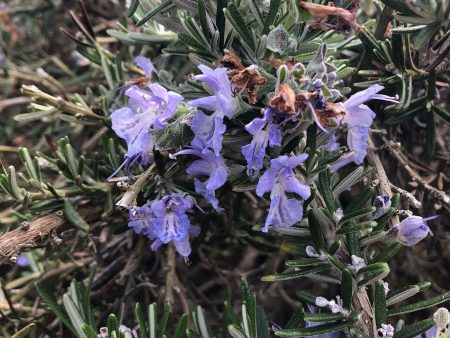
385,184
171,274
129,198
394,151
60,103
415,203
36,232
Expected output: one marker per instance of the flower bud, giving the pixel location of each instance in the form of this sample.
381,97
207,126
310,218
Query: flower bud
441,318
382,204
411,230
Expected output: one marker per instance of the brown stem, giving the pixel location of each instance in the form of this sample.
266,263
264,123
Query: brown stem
36,233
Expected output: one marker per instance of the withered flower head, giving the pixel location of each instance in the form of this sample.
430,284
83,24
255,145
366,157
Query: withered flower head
277,63
331,114
230,57
248,78
343,20
284,99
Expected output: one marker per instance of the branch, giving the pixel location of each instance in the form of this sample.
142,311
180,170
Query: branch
378,168
34,234
394,151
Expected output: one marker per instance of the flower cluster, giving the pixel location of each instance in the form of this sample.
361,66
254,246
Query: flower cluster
301,96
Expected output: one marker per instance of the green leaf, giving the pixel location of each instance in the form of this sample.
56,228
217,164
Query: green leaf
404,116
324,185
152,310
190,41
164,318
347,288
133,7
304,262
180,330
379,304
220,21
89,331
202,14
408,30
236,332
399,5
143,330
372,273
427,34
73,217
315,230
357,214
237,21
317,330
270,19
420,305
26,331
323,317
359,201
351,179
113,324
163,6
16,191
294,274
442,113
415,329
402,294
306,297
296,319
336,262
355,227
387,253
51,302
74,315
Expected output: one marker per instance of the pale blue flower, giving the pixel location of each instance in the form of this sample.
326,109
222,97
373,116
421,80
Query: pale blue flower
358,117
145,64
146,110
210,165
165,221
279,179
411,230
209,129
265,133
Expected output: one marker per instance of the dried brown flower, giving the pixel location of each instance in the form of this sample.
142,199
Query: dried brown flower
245,79
248,78
284,99
230,57
277,63
329,113
344,20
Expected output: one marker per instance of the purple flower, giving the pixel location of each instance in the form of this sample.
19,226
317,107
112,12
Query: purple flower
22,261
209,129
430,333
141,221
145,110
411,230
145,64
279,179
264,132
2,58
209,165
358,118
165,221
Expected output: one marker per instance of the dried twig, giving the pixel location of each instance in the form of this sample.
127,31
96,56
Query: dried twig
395,152
35,233
375,162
